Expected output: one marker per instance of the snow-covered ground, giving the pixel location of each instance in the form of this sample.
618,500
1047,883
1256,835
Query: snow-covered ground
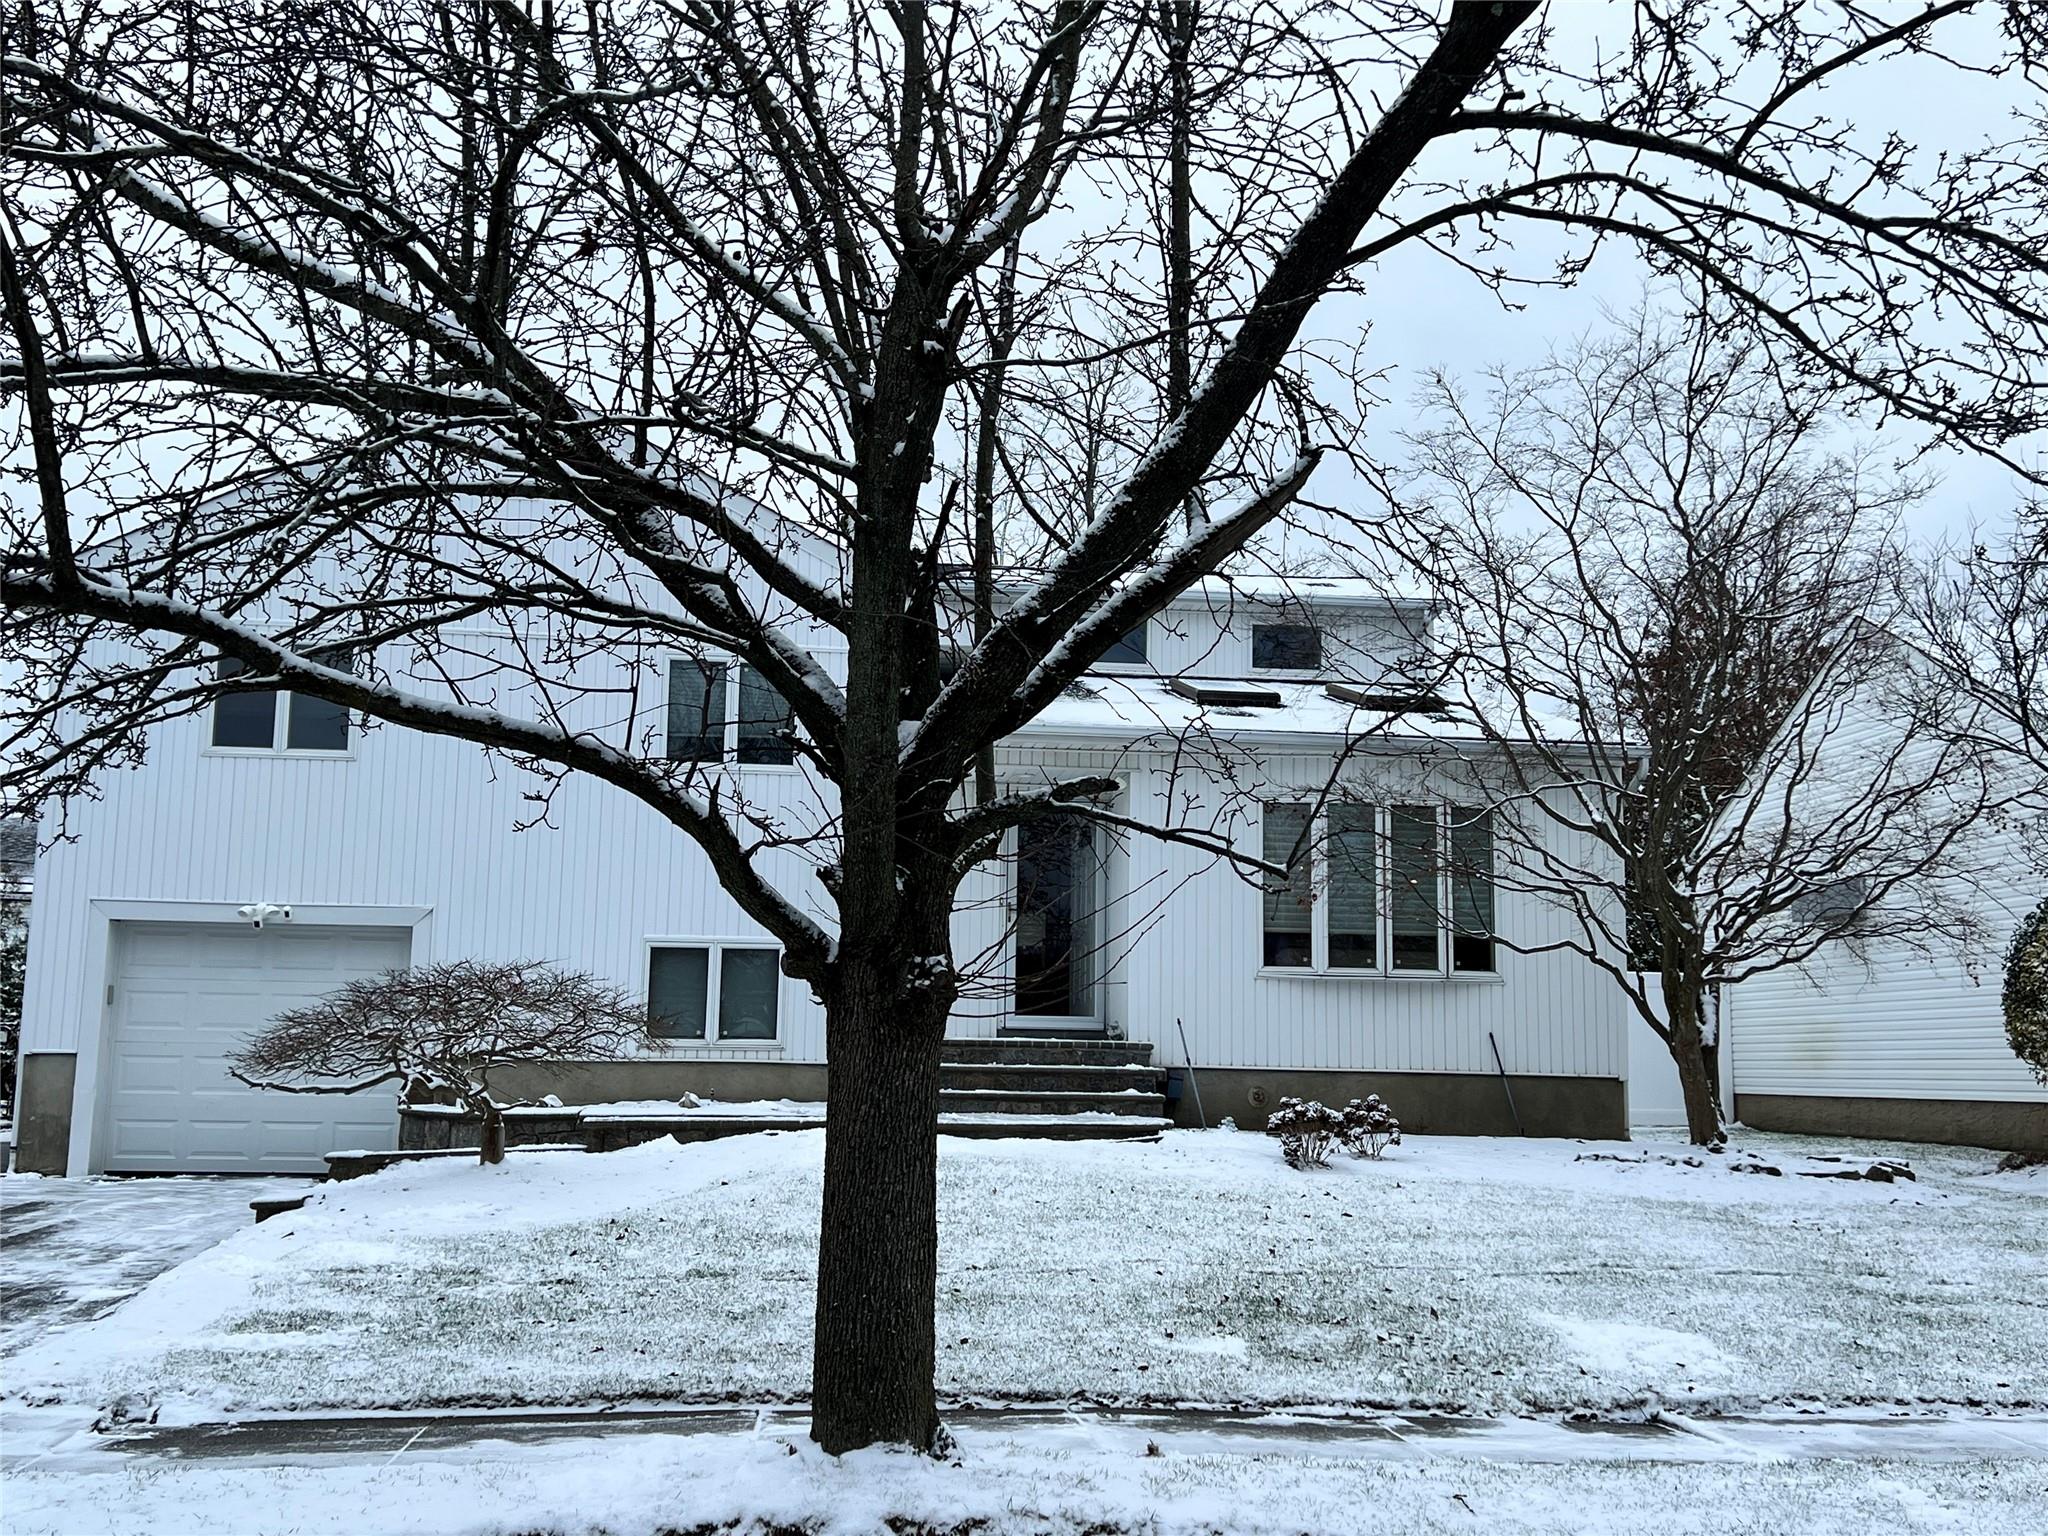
1487,1275
1004,1484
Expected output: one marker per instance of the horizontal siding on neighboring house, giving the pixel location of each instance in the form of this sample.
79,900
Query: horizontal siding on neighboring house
1909,1029
1881,1020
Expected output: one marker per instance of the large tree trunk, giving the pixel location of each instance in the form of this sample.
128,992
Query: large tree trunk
1683,1002
878,1238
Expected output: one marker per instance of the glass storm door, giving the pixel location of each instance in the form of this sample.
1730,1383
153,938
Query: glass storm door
1059,909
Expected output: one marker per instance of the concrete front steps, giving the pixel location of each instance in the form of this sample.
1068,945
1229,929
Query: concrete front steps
1063,1085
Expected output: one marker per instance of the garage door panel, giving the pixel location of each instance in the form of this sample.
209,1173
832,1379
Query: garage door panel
282,1138
138,1138
136,1073
156,1007
185,999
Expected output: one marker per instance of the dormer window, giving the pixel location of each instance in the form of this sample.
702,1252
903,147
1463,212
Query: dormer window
251,720
1128,651
1286,648
722,712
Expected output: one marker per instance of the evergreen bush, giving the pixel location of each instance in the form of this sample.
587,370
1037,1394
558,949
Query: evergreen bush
2026,992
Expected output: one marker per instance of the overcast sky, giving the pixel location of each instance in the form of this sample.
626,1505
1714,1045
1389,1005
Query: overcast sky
1425,313
1435,316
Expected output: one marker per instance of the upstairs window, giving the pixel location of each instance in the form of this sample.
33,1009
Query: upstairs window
1129,650
722,711
1402,890
251,720
1286,648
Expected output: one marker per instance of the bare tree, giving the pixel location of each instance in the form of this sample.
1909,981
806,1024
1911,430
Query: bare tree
443,1029
1659,580
345,336
1980,614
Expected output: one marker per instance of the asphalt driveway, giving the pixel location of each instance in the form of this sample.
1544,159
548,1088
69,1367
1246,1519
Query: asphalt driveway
74,1249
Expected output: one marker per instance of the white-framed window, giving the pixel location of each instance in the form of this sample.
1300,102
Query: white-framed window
725,712
1286,647
717,991
275,719
1385,890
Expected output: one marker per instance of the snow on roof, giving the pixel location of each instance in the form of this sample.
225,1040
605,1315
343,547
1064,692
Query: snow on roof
1323,591
1262,587
1128,709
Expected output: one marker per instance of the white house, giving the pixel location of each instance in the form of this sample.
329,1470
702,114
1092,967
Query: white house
363,849
1878,1037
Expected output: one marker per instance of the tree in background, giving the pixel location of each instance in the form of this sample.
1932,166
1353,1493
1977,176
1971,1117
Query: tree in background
444,1029
347,335
1656,577
1980,614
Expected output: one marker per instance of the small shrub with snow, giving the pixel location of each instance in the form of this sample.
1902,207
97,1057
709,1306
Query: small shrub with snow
1370,1127
1308,1132
2026,992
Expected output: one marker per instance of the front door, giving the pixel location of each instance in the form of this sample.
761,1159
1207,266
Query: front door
1059,898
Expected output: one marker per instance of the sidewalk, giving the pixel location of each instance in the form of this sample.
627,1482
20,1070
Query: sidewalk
1035,1472
1406,1437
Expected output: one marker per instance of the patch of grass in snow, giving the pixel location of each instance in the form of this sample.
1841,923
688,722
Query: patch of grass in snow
1495,1276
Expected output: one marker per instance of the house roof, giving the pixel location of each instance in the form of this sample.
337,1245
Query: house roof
17,850
1261,588
1129,709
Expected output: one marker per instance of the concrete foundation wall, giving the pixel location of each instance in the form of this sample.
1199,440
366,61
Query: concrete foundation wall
1427,1103
1951,1122
42,1124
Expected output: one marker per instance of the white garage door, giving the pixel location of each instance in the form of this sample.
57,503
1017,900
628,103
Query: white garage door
185,995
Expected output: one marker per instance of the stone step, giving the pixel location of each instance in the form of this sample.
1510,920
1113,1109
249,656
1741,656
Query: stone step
1002,1101
1057,1127
1047,1051
1039,1078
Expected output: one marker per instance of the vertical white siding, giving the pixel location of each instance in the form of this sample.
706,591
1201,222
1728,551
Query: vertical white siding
1200,964
413,821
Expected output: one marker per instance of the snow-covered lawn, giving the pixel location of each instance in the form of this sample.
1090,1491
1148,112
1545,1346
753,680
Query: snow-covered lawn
1489,1275
1003,1485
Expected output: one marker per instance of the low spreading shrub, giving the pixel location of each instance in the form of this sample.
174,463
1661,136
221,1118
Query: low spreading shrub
1370,1127
1309,1132
2026,992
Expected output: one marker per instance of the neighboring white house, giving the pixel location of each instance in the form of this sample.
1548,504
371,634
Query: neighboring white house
1879,1039
363,849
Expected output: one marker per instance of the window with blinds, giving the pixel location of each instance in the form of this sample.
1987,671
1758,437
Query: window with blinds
1401,890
